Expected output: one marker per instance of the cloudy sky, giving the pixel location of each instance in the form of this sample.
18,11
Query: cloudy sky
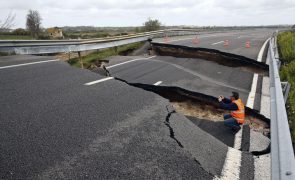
169,12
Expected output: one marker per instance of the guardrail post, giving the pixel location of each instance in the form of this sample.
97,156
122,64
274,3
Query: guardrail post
116,49
80,58
286,88
69,55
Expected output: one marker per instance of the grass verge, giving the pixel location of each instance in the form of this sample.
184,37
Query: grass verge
15,37
286,45
104,53
6,54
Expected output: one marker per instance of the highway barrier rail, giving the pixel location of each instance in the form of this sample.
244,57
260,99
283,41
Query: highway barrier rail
282,155
59,46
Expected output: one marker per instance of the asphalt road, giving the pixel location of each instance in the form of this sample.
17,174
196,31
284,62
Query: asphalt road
201,75
54,126
206,77
236,41
192,74
16,60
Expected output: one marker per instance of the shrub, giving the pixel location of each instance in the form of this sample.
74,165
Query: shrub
286,41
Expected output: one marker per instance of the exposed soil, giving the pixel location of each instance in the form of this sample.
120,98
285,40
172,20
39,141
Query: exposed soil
223,58
208,112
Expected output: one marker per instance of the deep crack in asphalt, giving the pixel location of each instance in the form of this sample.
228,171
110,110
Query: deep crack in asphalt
174,94
177,94
220,57
167,123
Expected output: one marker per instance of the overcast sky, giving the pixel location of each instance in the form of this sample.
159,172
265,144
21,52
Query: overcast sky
169,12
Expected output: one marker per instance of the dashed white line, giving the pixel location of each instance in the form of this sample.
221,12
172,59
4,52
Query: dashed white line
26,64
251,97
262,166
217,43
232,164
109,67
158,83
233,159
98,81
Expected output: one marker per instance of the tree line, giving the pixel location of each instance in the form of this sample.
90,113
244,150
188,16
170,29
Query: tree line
34,22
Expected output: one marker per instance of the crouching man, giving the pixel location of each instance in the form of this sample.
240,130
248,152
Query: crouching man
237,108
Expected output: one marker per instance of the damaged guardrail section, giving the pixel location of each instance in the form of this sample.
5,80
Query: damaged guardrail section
282,155
58,46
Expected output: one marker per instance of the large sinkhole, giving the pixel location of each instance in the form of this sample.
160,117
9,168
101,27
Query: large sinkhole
219,57
194,104
178,51
198,107
202,106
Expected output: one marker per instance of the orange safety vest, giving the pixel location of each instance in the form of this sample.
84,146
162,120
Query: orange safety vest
239,114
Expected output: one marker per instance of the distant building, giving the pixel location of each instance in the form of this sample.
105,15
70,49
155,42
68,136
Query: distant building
55,32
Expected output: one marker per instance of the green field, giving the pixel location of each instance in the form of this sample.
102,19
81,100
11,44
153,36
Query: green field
286,43
15,37
102,54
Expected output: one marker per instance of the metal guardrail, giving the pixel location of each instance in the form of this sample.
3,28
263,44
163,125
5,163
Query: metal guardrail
282,155
57,46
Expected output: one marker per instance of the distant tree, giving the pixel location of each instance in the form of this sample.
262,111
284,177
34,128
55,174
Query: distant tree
34,23
20,31
8,22
152,25
138,29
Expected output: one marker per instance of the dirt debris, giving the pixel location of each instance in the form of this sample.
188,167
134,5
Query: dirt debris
189,108
196,110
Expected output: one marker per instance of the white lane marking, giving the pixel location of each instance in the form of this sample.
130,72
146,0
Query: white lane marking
239,37
217,43
232,165
233,159
158,83
98,81
265,98
26,64
251,97
262,167
115,65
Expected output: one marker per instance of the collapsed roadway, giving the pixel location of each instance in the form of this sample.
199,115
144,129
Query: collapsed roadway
68,124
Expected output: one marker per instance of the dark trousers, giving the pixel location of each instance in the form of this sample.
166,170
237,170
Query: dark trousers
230,121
